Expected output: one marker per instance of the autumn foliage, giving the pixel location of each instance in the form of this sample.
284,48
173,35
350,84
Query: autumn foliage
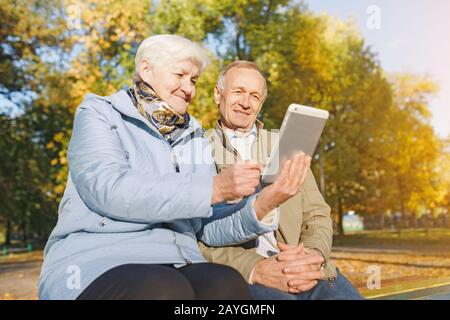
379,152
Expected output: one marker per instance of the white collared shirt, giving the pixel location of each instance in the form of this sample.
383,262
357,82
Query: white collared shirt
242,141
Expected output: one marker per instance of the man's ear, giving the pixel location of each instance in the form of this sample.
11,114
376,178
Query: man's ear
145,70
217,95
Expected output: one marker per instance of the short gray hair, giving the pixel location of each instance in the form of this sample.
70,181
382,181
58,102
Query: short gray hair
165,48
240,64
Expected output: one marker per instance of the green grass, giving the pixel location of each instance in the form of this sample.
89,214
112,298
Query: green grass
420,238
36,255
407,234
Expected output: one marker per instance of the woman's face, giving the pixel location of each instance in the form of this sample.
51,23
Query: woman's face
174,82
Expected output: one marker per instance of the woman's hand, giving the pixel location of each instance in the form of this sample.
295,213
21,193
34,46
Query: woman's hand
288,183
236,181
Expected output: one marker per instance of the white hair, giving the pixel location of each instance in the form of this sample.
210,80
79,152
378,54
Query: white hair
166,48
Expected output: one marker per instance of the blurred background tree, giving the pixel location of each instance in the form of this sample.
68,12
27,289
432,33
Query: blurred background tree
378,153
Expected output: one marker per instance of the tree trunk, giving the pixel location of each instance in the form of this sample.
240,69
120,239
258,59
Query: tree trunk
321,170
24,232
341,217
8,232
237,43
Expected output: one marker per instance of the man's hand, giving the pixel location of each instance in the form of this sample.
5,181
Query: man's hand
288,183
295,269
303,263
269,272
236,181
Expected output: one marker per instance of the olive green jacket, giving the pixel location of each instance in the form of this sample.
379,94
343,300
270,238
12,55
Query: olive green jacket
305,218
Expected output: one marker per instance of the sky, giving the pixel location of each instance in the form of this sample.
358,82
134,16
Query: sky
412,36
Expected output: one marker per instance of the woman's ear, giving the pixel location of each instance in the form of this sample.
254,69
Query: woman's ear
146,70
217,94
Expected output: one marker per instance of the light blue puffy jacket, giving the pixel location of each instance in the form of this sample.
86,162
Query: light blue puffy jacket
127,202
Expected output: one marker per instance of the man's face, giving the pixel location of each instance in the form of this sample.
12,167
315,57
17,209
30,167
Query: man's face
241,98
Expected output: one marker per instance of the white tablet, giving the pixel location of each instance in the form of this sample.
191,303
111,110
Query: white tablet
300,131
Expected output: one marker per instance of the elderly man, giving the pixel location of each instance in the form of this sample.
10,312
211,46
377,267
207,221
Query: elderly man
294,261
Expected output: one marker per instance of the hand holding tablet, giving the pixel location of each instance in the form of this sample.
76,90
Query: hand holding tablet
299,135
300,132
288,183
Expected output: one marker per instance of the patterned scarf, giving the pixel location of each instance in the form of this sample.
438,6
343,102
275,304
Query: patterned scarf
168,122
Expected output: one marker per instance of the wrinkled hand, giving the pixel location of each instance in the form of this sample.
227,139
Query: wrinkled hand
237,181
295,269
288,184
302,263
269,272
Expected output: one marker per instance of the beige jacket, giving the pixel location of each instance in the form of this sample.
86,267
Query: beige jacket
304,218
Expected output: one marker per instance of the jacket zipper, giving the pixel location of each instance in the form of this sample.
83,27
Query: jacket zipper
175,161
177,170
179,249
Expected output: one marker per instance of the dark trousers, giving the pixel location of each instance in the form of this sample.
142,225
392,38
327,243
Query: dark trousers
203,281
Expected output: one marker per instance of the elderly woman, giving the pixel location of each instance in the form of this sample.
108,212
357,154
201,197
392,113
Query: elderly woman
141,184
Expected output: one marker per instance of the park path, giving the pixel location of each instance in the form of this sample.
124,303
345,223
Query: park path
19,280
